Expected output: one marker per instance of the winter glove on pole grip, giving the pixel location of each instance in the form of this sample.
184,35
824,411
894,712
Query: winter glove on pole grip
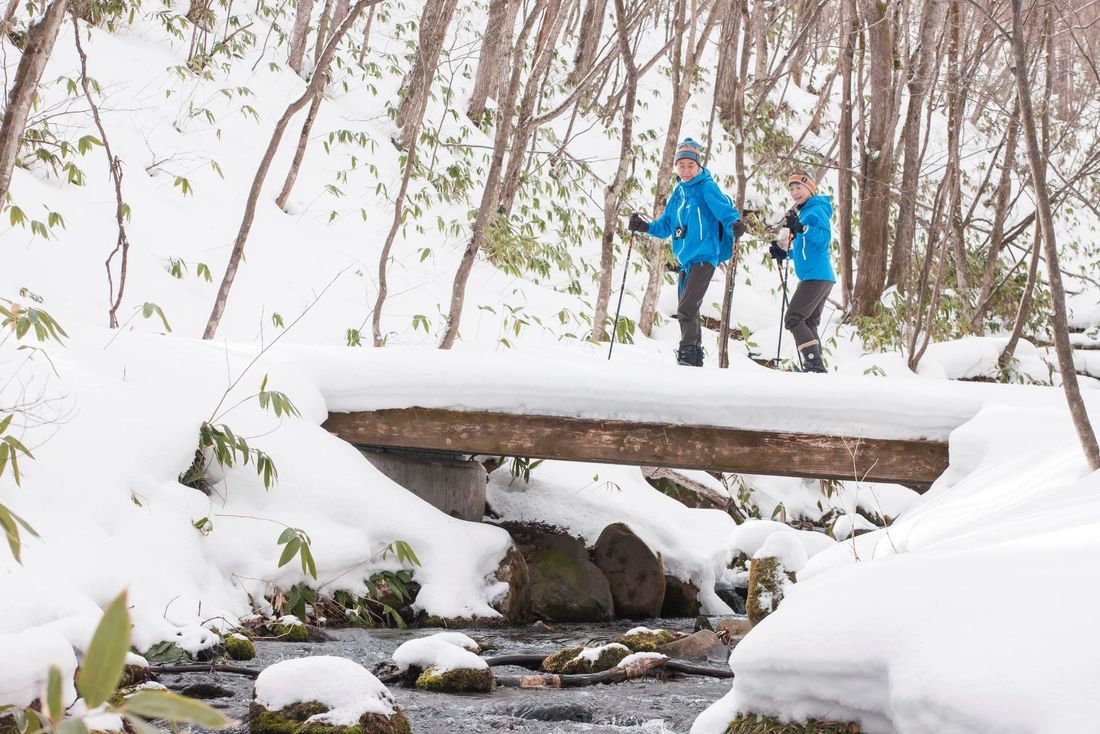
637,223
738,229
792,223
778,253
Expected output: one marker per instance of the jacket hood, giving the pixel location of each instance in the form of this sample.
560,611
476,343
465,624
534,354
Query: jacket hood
819,201
703,175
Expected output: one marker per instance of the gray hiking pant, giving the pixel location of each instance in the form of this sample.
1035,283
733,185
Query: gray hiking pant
804,310
693,287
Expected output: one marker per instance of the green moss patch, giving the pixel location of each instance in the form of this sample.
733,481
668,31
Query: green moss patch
646,641
609,657
239,647
753,724
554,663
463,680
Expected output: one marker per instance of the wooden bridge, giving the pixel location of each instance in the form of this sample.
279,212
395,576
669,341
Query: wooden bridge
914,463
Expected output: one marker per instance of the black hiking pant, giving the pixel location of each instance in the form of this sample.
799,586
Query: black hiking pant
804,310
693,287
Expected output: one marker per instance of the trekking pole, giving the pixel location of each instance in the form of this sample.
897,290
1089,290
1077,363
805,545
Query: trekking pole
782,308
727,308
622,289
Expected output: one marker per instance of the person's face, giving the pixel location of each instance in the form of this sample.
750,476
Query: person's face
687,169
799,192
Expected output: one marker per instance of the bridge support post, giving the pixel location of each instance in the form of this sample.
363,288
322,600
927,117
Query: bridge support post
444,481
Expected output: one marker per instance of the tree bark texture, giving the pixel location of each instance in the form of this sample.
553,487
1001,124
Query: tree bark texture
298,35
36,52
588,44
1059,321
493,56
417,85
877,160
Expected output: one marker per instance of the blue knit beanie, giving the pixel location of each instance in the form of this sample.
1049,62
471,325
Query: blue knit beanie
688,148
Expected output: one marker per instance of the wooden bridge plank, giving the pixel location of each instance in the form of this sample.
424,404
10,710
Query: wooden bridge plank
909,462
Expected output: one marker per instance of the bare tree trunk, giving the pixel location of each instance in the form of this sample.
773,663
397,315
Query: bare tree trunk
36,52
383,259
1024,308
955,102
1000,213
198,13
725,77
298,35
489,197
905,230
315,83
526,124
1059,322
307,126
591,30
848,29
493,55
614,192
417,85
877,161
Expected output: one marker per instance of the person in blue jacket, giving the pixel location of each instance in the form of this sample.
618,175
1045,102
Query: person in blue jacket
811,230
703,224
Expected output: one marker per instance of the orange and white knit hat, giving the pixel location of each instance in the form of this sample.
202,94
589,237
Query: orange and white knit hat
803,177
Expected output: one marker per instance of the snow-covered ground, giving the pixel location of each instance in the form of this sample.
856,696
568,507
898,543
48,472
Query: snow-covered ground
924,627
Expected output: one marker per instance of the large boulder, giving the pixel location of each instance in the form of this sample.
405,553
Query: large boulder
634,572
596,659
681,599
565,586
323,695
458,680
515,604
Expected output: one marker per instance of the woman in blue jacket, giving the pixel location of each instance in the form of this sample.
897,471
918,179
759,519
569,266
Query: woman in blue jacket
810,226
703,224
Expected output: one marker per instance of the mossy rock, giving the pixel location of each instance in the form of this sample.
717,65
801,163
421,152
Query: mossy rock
753,724
123,692
289,632
610,656
767,580
463,680
554,663
646,641
239,647
292,720
457,623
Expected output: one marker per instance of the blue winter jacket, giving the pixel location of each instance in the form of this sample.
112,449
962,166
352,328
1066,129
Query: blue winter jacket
810,249
706,216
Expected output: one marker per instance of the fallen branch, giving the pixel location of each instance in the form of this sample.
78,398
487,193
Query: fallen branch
523,661
202,668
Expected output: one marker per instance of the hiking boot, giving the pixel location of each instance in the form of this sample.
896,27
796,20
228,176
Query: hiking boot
811,359
690,355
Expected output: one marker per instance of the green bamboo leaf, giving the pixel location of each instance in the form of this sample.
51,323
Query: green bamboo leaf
106,656
287,535
308,564
53,695
289,552
174,707
141,726
72,726
6,422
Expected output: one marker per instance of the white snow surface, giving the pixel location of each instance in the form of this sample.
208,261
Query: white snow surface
639,656
592,654
347,688
445,650
920,627
785,548
916,629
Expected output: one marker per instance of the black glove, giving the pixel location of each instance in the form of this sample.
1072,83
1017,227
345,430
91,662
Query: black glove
738,229
637,224
778,253
793,224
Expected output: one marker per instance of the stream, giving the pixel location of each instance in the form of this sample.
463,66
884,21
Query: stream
645,706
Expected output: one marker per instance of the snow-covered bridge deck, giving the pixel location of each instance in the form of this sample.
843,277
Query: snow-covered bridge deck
583,409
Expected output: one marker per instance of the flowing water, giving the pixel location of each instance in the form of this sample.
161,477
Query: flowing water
646,706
